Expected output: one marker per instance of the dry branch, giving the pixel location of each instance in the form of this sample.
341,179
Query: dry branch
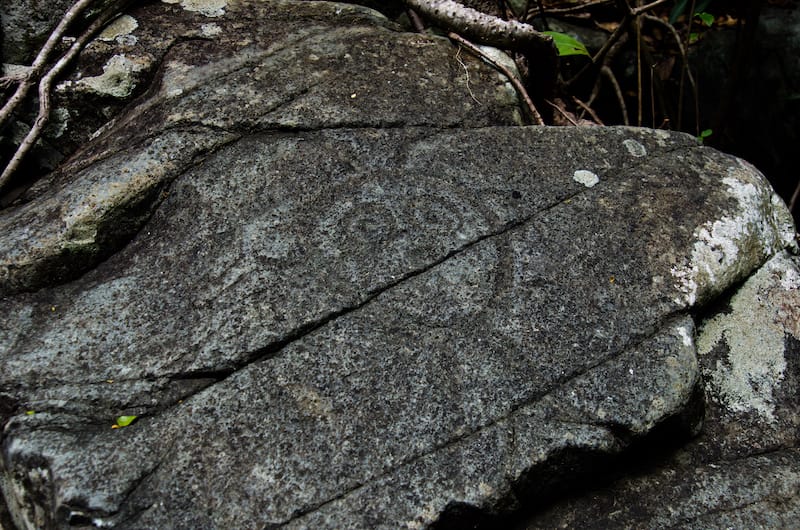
685,68
535,116
566,10
483,28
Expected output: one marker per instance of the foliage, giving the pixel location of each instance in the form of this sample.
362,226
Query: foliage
705,18
704,134
123,421
567,45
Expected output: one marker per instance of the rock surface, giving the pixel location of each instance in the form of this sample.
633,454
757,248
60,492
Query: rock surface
222,78
339,292
743,471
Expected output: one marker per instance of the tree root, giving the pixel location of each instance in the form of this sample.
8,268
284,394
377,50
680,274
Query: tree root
46,81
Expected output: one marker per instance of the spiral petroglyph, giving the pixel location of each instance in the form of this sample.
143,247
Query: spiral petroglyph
384,224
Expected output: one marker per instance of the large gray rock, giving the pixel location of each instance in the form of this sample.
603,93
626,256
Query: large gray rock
402,317
343,315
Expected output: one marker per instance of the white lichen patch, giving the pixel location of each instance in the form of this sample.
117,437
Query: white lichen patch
685,335
754,331
210,30
585,177
16,70
784,222
634,148
728,248
60,122
662,137
310,401
120,28
209,8
14,488
427,514
118,79
789,278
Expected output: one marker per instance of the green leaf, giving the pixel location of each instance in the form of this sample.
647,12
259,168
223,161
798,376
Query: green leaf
566,45
705,134
124,421
706,18
30,412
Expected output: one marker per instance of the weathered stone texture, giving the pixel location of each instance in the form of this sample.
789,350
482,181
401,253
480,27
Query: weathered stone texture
338,292
743,471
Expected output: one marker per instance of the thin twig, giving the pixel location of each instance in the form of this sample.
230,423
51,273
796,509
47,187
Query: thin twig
41,59
561,111
567,10
795,196
595,90
684,70
630,15
542,14
605,70
647,7
535,116
652,96
601,54
639,97
466,74
45,88
588,109
688,71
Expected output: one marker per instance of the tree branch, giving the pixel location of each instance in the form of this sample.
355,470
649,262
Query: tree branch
535,116
483,28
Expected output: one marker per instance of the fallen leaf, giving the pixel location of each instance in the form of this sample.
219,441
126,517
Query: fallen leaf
124,421
610,27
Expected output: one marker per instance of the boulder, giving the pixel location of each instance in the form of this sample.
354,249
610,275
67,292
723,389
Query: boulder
336,291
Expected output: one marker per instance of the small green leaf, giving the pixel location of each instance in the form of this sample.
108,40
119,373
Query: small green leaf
692,38
566,45
704,134
124,421
30,412
706,18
